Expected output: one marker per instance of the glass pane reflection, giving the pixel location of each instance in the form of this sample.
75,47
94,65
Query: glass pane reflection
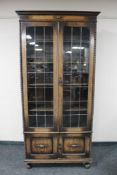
75,75
39,41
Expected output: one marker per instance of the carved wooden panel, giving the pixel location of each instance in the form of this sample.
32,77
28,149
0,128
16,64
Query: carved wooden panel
74,145
41,145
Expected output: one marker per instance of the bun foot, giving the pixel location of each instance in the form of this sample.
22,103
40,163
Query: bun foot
29,166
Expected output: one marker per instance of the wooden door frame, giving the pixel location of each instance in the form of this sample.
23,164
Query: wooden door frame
92,50
24,83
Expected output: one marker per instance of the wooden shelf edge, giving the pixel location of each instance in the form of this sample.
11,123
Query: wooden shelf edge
82,132
59,160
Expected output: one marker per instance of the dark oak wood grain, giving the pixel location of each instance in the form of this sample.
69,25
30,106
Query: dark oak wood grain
57,144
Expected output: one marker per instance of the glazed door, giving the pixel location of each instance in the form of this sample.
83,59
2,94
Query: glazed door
75,89
75,80
39,65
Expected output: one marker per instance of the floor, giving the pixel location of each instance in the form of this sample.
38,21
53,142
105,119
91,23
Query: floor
104,156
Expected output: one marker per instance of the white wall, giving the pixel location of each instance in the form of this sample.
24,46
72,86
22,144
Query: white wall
105,110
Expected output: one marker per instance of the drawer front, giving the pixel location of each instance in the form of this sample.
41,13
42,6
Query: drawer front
74,145
41,145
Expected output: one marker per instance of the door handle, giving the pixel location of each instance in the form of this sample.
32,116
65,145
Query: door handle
60,81
41,146
75,146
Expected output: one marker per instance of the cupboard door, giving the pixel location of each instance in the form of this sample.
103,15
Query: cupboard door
39,75
74,145
74,91
41,146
